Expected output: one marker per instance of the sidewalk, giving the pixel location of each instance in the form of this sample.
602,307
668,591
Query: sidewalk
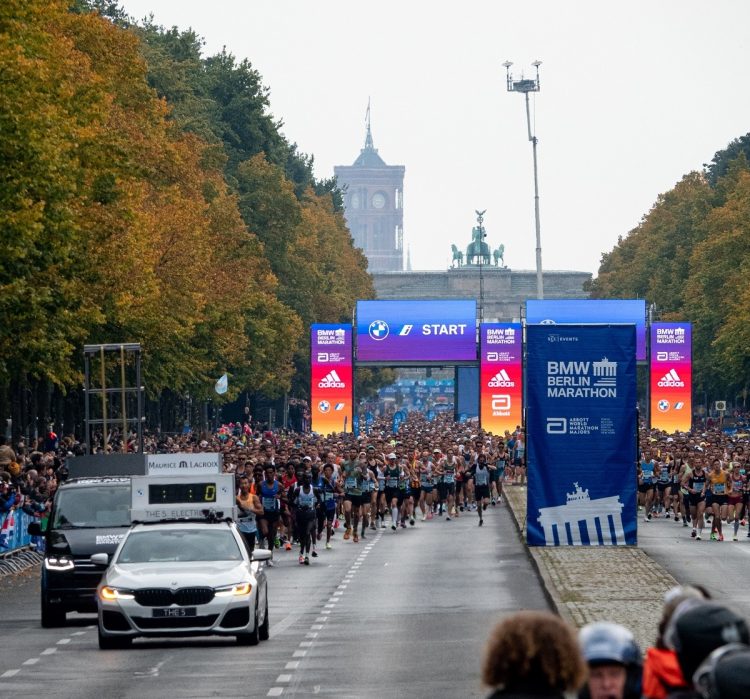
597,583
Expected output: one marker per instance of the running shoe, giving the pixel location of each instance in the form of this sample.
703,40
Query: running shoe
714,537
363,534
743,522
492,502
355,538
684,523
411,521
328,546
307,561
301,560
735,538
314,554
648,516
484,507
382,524
721,537
698,536
277,543
347,533
372,526
429,515
287,546
447,519
694,534
393,526
270,563
424,518
481,522
667,516
403,525
336,523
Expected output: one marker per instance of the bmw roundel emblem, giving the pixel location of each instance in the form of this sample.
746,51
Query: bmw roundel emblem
663,405
324,406
378,330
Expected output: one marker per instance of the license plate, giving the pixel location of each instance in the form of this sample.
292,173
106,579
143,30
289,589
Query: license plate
174,611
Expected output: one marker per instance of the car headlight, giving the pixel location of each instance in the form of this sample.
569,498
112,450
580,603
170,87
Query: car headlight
237,590
58,563
113,593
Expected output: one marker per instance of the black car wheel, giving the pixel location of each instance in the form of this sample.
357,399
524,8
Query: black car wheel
264,631
52,617
114,642
252,638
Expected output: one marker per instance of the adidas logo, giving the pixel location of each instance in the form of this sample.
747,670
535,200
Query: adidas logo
501,380
331,380
671,379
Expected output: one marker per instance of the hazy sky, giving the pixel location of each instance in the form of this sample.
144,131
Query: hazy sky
634,95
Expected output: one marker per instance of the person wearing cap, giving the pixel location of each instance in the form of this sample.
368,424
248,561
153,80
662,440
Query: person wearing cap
661,670
695,630
614,661
725,674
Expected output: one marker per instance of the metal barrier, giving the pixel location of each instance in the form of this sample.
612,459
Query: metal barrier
14,534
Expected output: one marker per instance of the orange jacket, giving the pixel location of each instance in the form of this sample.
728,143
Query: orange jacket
661,673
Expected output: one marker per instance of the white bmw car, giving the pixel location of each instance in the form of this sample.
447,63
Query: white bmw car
182,579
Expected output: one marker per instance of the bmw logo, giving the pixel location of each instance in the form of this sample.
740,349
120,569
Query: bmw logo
663,405
378,330
324,406
547,321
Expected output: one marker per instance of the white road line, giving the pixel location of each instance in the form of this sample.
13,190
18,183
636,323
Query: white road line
63,641
10,673
325,611
49,651
78,633
311,634
283,678
275,692
299,654
316,627
305,644
321,618
31,661
292,665
341,587
329,606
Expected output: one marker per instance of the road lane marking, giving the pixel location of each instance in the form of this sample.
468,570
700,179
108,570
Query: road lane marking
49,651
10,673
311,634
316,627
31,661
305,644
292,665
299,654
63,641
78,633
275,691
284,678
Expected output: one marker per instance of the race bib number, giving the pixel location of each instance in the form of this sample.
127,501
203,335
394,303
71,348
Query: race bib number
719,488
269,503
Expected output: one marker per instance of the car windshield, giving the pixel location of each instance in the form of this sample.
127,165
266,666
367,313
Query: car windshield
92,507
180,545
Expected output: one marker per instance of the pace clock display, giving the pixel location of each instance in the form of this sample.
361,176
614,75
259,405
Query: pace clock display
177,493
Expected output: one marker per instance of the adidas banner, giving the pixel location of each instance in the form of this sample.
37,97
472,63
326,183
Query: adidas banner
671,377
500,376
581,434
331,378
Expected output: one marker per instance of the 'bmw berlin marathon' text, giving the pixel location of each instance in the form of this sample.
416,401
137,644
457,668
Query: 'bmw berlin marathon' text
573,379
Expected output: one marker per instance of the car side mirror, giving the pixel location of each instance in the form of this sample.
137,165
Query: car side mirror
262,555
100,559
35,529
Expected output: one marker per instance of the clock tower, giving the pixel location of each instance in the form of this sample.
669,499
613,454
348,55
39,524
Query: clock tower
374,206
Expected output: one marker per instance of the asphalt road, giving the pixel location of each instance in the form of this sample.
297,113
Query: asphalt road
396,615
719,566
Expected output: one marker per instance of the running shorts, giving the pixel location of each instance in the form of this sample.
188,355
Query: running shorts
481,491
645,487
735,499
719,499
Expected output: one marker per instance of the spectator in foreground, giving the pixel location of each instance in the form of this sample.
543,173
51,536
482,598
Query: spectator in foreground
725,674
614,660
696,629
533,654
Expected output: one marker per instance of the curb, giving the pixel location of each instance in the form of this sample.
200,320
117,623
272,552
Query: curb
548,588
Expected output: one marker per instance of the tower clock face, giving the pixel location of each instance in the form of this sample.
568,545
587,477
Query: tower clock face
354,201
378,201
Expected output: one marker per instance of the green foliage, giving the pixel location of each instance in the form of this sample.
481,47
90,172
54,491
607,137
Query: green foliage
690,257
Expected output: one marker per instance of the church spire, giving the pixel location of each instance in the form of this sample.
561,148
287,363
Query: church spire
368,138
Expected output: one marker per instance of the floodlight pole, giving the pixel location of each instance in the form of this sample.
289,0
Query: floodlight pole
525,86
482,236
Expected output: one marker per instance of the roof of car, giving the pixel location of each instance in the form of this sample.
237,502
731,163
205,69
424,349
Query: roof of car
177,523
95,480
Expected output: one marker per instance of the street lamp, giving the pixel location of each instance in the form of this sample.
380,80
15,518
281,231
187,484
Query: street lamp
482,236
526,85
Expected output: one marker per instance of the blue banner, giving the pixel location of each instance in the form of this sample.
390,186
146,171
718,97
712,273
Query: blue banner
581,428
355,425
398,418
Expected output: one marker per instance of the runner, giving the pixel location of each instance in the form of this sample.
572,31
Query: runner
720,486
305,500
393,477
480,474
249,507
696,487
737,497
646,484
270,493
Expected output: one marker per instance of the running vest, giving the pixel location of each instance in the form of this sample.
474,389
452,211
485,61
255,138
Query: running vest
698,482
450,473
269,496
329,495
305,501
391,477
481,476
246,520
647,472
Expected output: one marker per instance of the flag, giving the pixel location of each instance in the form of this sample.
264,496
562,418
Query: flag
222,385
7,530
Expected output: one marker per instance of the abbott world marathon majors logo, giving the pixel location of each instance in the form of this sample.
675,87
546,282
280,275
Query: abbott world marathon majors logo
582,379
